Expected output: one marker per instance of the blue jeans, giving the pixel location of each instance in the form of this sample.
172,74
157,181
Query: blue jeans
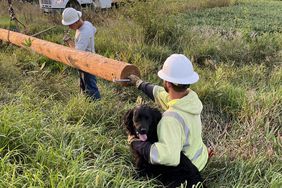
88,85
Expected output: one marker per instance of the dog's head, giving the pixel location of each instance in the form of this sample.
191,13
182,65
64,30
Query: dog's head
142,122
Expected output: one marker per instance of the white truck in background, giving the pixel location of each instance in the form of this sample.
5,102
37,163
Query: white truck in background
49,5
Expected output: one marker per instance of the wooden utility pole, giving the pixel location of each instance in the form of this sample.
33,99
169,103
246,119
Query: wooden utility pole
95,64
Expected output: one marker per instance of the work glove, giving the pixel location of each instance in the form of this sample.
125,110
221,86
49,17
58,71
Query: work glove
67,40
142,148
135,80
66,37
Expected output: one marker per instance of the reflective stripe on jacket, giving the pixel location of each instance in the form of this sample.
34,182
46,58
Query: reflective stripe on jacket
180,129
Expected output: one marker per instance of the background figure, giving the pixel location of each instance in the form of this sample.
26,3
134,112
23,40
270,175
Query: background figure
84,41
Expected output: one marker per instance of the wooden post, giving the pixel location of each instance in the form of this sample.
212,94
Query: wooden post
95,64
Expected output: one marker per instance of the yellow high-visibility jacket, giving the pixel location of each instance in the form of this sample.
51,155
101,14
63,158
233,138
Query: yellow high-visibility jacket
180,129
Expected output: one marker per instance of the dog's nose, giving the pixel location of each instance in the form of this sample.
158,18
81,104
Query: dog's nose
143,131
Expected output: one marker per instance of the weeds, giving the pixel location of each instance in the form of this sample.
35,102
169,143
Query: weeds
52,136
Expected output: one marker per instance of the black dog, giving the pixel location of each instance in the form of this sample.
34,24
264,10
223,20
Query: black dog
142,122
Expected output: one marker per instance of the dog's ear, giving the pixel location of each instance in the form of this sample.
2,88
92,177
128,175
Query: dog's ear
128,122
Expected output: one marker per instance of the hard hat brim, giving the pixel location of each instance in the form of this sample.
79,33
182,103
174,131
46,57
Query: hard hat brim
188,80
73,21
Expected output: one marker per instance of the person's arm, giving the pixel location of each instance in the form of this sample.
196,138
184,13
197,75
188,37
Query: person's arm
154,92
167,150
146,87
143,148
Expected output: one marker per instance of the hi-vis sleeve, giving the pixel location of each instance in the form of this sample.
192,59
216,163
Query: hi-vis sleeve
167,150
161,97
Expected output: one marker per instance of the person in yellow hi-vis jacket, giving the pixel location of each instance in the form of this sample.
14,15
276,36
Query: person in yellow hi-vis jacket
180,129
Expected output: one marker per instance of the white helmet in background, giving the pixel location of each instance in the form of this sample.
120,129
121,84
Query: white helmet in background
178,69
70,16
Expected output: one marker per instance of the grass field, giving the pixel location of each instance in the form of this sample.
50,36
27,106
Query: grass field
52,136
259,17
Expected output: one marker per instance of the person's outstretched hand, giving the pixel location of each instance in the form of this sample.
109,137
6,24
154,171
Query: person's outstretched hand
135,80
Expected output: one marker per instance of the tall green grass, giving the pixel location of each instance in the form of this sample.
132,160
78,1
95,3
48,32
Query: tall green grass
52,136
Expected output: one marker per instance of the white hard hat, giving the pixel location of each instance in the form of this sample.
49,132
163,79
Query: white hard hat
70,16
178,69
